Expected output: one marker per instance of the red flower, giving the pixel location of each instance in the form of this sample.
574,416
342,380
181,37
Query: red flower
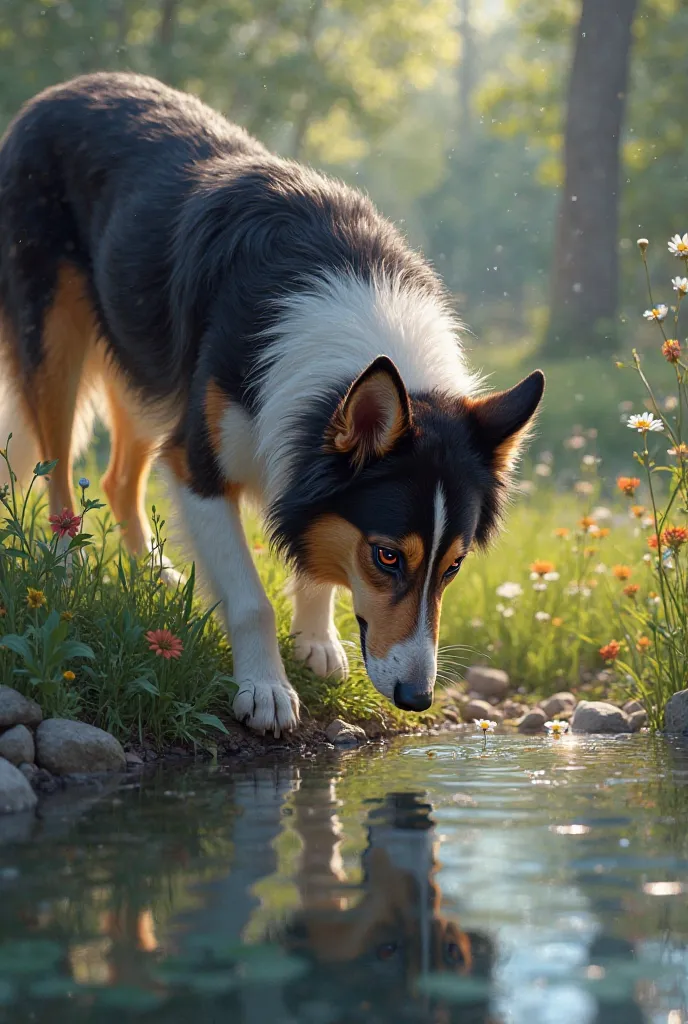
164,643
610,651
65,523
628,485
671,350
675,536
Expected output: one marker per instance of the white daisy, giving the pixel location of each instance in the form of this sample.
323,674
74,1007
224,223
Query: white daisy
644,421
543,616
551,577
507,613
556,728
678,245
484,726
657,313
509,590
680,285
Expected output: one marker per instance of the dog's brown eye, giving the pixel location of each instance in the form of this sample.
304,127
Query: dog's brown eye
453,954
453,568
387,950
386,559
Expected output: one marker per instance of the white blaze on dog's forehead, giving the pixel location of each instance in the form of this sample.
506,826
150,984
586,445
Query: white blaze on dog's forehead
439,524
329,332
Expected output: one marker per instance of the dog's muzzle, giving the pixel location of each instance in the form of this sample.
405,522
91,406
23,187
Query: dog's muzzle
410,697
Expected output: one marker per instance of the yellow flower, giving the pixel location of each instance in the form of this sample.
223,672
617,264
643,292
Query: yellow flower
34,598
69,676
556,621
66,616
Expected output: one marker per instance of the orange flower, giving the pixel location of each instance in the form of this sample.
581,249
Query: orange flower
675,536
587,522
638,511
679,450
603,532
671,350
69,676
164,643
653,542
643,643
561,531
610,651
631,589
628,485
589,552
541,567
556,621
622,572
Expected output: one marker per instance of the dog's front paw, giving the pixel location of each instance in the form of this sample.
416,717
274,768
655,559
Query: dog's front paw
325,657
267,706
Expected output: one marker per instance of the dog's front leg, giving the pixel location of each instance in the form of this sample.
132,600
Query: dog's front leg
265,700
317,641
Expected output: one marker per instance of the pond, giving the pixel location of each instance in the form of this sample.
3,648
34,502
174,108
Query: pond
539,881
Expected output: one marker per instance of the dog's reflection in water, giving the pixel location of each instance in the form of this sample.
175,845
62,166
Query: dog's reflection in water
371,948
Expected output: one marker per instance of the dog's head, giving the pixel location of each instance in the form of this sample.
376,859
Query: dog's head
414,481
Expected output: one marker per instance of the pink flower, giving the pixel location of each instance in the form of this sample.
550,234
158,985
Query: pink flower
164,643
65,523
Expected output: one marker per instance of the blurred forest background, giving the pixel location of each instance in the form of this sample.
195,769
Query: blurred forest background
524,145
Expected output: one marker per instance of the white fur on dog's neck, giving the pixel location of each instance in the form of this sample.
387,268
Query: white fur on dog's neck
328,333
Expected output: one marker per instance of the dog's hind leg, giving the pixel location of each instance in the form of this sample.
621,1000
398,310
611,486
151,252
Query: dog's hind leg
316,638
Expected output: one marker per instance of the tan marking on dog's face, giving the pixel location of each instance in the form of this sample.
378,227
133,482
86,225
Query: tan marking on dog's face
457,549
215,405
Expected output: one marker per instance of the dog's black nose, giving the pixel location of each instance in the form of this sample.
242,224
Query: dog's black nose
409,697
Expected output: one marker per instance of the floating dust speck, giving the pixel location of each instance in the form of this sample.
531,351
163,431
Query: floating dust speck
570,830
664,888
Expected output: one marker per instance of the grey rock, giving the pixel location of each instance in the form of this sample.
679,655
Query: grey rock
450,715
133,760
342,734
64,747
631,706
533,721
487,682
480,709
599,716
16,709
16,745
512,709
676,713
637,720
30,771
15,792
558,703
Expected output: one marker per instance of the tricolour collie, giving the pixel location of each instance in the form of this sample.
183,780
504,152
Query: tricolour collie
261,330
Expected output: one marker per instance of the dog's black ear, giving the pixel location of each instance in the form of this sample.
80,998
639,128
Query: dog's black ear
504,418
372,416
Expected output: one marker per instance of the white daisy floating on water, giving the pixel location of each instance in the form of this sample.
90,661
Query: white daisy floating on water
644,421
657,313
557,728
678,245
484,726
680,285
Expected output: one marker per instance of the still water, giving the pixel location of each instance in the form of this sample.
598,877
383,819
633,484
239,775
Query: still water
538,881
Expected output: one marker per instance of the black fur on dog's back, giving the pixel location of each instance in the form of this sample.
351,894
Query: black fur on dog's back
181,222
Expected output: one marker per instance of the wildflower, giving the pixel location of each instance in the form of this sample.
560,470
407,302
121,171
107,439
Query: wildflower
637,511
476,623
541,567
557,621
647,559
542,616
587,523
657,313
575,442
679,246
675,536
610,651
590,460
680,285
557,728
601,513
562,531
644,421
603,532
35,598
631,589
65,523
589,552
583,487
509,590
653,598
484,726
539,586
643,643
628,485
653,542
622,572
69,676
164,643
66,616
671,350
84,483
646,522
680,451
642,244
551,577
507,613
600,568
542,469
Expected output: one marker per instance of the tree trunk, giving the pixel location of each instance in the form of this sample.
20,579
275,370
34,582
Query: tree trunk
584,280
